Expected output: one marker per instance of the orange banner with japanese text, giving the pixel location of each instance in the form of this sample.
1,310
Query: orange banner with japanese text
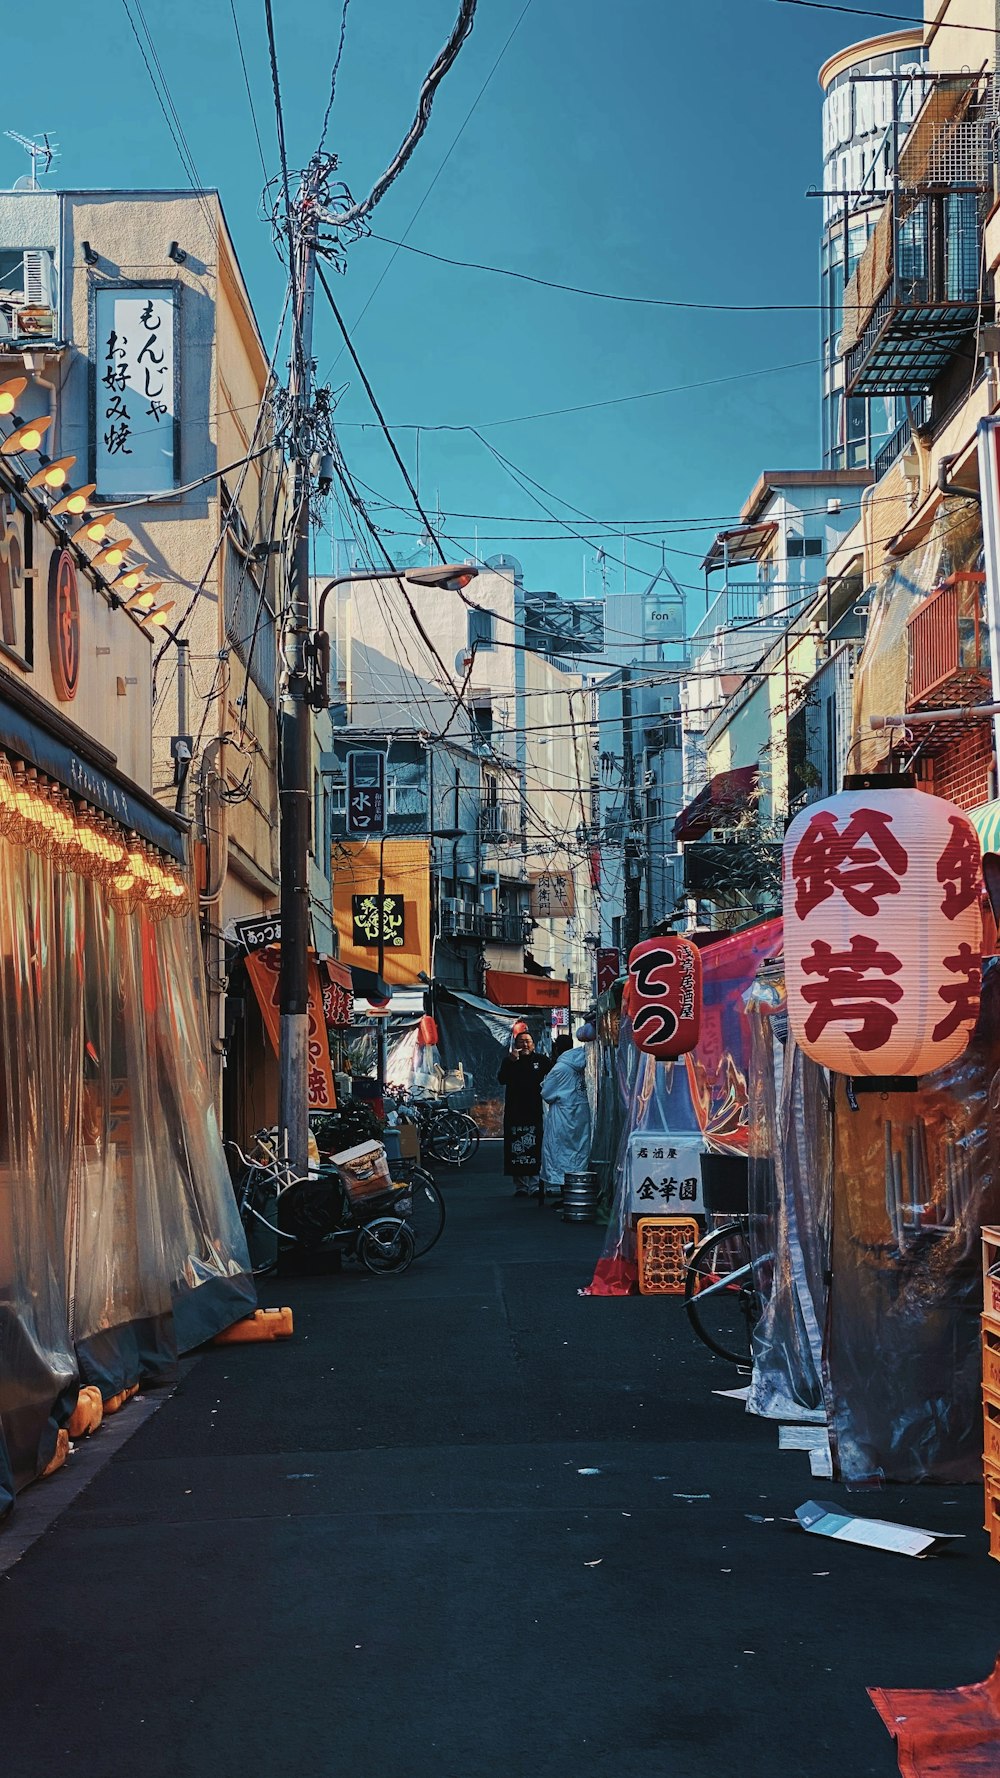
264,968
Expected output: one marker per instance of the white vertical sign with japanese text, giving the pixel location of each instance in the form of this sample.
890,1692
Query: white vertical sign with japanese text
664,1173
135,411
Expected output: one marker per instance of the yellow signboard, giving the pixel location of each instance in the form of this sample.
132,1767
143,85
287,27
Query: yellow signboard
406,869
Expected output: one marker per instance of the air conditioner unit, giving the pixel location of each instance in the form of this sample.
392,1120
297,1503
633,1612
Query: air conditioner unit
490,879
37,278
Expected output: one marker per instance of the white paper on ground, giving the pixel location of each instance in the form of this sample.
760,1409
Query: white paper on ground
802,1438
825,1520
734,1394
821,1463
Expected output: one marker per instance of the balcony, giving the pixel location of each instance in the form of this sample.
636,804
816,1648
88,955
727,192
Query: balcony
29,313
500,821
918,289
948,644
502,929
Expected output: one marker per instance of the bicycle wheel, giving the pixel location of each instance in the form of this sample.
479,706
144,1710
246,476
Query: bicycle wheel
455,1140
426,1218
257,1201
720,1293
472,1130
386,1245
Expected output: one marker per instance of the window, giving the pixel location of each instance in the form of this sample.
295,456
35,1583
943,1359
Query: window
804,546
482,717
249,612
481,629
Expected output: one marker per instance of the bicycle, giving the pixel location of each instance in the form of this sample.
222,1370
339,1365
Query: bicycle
316,1211
450,1136
721,1296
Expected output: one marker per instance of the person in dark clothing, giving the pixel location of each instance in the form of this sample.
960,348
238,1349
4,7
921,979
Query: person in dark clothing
521,1075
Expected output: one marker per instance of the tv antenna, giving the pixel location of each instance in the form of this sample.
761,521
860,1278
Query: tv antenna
41,149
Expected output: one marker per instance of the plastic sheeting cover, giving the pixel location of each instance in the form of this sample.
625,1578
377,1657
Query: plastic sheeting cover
115,1198
916,1176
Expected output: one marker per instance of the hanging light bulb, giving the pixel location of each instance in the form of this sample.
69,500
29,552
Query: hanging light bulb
94,529
129,579
113,554
52,474
77,501
26,438
10,393
159,616
145,598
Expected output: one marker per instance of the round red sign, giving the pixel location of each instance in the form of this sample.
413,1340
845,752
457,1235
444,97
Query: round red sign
64,624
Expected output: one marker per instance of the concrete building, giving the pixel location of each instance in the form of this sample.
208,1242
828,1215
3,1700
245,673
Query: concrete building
870,93
506,772
132,310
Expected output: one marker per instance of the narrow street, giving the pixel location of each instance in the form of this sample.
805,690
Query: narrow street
378,1550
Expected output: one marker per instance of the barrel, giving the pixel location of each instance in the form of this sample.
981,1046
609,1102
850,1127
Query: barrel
580,1195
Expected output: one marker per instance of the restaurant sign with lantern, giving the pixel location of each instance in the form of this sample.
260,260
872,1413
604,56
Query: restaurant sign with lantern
882,931
663,996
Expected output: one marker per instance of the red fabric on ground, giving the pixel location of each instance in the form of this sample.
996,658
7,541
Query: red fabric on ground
952,1734
614,1276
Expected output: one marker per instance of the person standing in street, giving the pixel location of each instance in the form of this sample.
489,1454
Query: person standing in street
521,1075
566,1135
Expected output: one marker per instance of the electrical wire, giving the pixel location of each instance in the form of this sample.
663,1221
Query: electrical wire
369,391
454,144
607,296
333,77
246,82
903,18
461,29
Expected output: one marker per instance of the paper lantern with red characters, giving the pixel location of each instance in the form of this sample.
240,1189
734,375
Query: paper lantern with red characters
662,996
882,931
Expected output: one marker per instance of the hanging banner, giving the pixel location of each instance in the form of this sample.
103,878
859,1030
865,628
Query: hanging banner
264,968
989,483
136,418
552,895
608,967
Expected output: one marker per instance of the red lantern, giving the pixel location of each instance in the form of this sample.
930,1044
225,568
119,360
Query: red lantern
427,1032
883,931
662,996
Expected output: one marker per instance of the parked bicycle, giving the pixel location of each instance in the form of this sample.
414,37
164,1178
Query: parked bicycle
315,1210
445,1134
723,1287
426,1215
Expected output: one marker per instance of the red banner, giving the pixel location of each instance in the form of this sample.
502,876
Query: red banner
263,968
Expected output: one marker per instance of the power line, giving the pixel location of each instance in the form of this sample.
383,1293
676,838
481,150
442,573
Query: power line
585,407
607,296
369,391
448,55
870,12
246,82
333,76
279,120
454,144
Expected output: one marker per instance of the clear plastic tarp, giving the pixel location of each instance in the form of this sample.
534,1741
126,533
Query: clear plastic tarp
915,1178
790,1188
120,1243
705,1093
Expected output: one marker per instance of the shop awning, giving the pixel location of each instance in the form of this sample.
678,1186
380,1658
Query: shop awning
986,822
505,988
723,796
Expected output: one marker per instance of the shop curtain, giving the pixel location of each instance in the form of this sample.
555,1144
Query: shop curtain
119,1238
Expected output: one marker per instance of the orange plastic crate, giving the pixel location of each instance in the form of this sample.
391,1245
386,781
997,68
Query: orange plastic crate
991,1522
991,1352
660,1250
991,1257
991,1428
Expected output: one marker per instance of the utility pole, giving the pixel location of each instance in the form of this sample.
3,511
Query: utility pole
294,798
631,850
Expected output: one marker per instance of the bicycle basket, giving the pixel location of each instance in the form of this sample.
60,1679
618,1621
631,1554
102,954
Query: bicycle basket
725,1184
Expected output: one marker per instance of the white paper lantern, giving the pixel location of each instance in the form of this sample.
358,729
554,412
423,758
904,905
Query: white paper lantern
882,931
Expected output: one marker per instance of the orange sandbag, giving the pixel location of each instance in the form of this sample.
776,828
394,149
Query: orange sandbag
61,1452
88,1413
264,1324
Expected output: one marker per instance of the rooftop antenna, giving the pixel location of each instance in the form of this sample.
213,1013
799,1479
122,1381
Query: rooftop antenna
41,150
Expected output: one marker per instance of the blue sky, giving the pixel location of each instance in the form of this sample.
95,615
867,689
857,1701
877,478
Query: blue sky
653,148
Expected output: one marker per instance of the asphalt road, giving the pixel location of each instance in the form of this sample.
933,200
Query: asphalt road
376,1551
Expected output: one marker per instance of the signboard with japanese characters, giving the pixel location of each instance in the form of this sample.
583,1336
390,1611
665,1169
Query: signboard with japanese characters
365,914
608,967
135,390
253,935
664,1174
882,931
365,793
663,996
552,895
